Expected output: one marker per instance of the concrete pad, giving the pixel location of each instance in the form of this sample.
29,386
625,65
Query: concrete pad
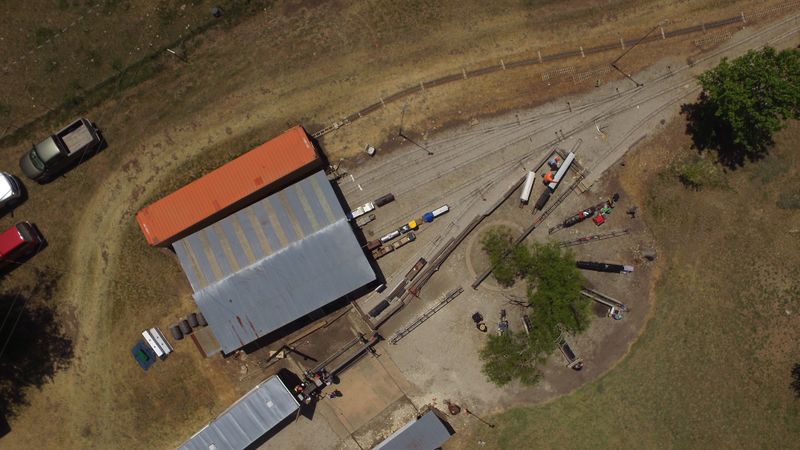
367,390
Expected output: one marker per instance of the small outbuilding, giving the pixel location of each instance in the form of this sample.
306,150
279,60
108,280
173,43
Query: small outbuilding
255,414
428,432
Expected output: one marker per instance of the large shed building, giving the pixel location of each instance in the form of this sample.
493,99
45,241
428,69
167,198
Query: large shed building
273,262
263,241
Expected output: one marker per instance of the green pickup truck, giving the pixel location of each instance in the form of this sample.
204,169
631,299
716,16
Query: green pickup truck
61,150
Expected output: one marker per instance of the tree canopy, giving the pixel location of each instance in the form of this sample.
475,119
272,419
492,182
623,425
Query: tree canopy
497,244
555,304
744,102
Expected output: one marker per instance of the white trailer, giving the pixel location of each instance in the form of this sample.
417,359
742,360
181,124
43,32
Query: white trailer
156,340
527,188
561,171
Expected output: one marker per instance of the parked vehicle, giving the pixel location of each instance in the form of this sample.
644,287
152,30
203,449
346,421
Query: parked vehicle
404,240
363,220
18,241
429,216
388,237
603,267
415,270
542,200
382,251
440,210
383,200
10,189
372,245
56,153
361,210
561,171
408,227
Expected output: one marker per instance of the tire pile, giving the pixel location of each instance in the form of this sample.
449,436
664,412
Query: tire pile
186,326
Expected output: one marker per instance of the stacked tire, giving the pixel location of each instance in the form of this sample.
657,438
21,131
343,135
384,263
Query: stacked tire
186,326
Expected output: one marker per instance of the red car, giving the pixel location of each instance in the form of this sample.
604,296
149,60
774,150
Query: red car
18,241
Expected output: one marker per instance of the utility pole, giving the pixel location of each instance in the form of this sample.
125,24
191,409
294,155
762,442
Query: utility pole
614,63
470,413
402,135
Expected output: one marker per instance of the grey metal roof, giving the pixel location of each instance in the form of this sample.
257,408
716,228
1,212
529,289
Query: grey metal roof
425,433
273,262
248,419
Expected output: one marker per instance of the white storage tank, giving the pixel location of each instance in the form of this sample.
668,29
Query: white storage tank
439,211
527,188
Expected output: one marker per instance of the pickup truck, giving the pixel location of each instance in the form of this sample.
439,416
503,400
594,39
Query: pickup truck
59,151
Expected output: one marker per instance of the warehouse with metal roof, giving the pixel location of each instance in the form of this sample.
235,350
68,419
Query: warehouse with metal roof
259,172
247,420
428,432
273,262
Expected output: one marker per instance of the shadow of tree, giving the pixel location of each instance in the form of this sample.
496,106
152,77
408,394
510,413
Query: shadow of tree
796,380
33,346
709,132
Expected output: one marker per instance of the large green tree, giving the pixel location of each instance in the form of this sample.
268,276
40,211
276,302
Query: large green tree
497,244
744,102
554,285
554,291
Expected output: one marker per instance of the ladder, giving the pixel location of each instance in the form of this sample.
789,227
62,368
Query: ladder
427,315
594,237
616,306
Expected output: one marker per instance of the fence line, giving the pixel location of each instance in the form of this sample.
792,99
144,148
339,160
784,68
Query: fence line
30,52
742,18
712,39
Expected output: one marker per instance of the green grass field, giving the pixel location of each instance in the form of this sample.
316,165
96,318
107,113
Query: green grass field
712,368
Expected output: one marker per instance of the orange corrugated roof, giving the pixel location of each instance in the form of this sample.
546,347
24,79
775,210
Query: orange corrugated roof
256,170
